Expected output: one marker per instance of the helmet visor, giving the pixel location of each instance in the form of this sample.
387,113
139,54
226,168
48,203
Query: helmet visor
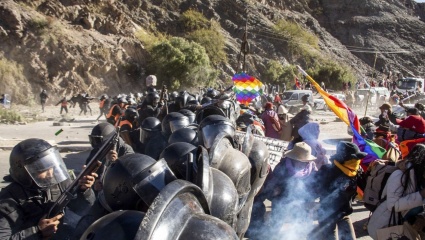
177,124
47,168
210,132
146,135
152,180
95,141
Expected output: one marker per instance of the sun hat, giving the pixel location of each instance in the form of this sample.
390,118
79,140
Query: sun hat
301,152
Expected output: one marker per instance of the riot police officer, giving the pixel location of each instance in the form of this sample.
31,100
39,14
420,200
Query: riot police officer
39,178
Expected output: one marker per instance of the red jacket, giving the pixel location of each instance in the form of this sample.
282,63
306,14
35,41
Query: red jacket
413,122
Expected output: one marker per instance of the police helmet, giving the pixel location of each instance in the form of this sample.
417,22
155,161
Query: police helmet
104,96
131,114
122,100
152,98
191,115
134,180
172,122
150,126
212,126
187,135
177,156
206,100
115,225
36,161
99,132
212,93
173,96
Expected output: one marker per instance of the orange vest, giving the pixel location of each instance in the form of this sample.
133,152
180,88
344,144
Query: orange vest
102,103
126,122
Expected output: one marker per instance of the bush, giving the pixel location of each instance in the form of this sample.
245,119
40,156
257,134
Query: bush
13,81
9,116
333,74
212,41
39,25
193,20
149,39
299,40
178,62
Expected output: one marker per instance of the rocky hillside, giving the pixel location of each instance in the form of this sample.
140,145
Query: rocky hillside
70,46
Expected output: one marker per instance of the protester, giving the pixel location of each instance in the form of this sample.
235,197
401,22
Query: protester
292,199
302,117
404,192
271,121
413,122
310,135
335,185
43,98
64,105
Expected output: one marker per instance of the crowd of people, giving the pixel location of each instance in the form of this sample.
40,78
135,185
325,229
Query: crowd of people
197,166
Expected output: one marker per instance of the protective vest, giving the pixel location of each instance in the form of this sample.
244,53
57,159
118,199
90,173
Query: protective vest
102,103
126,122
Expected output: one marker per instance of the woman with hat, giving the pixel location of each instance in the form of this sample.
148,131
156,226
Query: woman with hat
291,195
310,135
336,184
271,122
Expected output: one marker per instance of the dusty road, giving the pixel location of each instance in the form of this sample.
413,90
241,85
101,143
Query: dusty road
74,146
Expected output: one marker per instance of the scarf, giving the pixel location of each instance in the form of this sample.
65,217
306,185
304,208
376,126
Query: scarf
349,167
299,171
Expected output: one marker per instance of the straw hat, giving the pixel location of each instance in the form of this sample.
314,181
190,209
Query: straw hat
301,152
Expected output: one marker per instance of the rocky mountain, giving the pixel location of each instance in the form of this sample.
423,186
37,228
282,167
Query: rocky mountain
70,46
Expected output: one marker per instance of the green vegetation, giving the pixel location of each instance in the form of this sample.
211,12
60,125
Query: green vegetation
13,81
212,42
38,25
207,33
178,62
193,20
9,116
333,74
300,42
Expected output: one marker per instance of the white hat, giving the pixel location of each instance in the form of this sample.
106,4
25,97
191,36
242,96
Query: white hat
282,110
301,152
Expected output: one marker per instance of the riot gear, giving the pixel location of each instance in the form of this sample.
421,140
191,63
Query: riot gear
100,132
151,127
212,93
131,114
233,163
184,135
122,100
176,156
173,96
206,100
172,122
35,160
191,115
194,222
211,126
152,98
134,180
116,225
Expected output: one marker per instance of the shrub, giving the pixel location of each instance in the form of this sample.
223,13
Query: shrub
212,41
38,25
300,41
9,116
333,74
178,62
148,39
193,20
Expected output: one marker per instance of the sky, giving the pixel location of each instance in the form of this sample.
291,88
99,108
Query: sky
419,0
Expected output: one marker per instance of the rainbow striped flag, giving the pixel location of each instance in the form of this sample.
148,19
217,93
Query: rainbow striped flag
347,115
246,88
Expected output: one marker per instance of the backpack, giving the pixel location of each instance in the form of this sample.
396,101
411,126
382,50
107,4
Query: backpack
377,174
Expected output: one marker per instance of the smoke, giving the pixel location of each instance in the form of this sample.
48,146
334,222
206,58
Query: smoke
295,207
